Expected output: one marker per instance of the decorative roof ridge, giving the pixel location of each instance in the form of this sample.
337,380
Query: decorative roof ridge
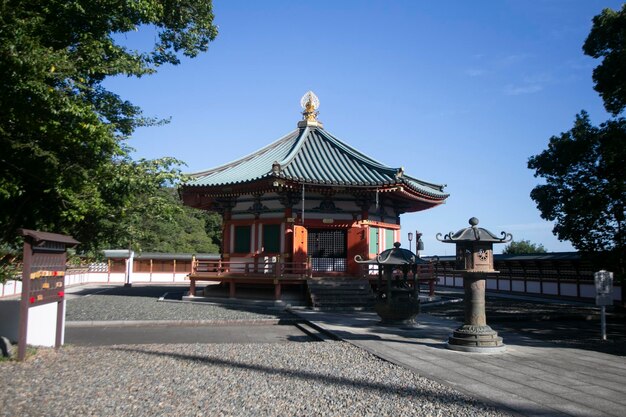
246,158
360,155
298,143
344,147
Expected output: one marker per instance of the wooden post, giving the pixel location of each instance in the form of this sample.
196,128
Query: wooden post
576,267
278,266
538,265
558,279
231,288
431,282
277,289
192,287
174,271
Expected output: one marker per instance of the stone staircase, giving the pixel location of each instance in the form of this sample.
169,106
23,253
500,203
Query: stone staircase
340,293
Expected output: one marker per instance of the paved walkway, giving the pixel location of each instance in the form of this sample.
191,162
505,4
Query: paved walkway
532,378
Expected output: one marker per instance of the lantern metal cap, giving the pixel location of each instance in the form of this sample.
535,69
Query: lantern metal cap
393,256
473,234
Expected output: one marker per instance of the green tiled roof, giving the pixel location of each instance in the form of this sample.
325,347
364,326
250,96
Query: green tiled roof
311,155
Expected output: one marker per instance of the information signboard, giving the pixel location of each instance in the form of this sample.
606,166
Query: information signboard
604,295
604,288
43,279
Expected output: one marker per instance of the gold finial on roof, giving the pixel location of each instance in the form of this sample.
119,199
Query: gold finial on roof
309,103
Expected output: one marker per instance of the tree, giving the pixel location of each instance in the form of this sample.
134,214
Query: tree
607,40
184,229
585,186
64,165
521,247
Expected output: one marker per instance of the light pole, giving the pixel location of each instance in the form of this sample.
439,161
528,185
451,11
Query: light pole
410,239
419,244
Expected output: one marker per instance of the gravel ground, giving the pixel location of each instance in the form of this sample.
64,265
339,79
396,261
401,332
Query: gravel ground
281,379
141,303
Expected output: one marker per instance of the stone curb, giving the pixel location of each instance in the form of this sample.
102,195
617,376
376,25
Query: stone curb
157,323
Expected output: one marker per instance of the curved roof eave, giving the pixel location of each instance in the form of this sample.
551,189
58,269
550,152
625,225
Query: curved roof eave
263,168
428,188
260,151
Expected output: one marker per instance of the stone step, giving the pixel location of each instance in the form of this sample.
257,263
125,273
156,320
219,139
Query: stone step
344,297
340,293
361,286
340,290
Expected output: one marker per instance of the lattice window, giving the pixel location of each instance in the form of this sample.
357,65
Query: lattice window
327,243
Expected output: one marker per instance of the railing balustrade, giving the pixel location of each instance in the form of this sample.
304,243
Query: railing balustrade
256,268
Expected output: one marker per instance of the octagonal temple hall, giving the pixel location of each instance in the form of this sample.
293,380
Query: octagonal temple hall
310,197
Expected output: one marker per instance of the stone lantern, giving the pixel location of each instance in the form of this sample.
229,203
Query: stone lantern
397,299
474,259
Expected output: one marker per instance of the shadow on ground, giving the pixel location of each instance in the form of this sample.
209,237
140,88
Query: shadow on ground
569,325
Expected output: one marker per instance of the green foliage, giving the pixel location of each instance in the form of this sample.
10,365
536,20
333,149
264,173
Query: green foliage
184,229
607,40
10,263
585,189
64,166
521,247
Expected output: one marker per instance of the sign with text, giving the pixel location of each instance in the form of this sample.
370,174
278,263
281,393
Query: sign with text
43,281
604,288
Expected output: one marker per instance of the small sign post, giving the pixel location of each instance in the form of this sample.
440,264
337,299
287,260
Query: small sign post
43,280
604,295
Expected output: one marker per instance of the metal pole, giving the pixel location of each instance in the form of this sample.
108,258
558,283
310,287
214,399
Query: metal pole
603,322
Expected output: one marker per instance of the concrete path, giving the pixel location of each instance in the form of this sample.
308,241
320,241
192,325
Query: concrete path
532,378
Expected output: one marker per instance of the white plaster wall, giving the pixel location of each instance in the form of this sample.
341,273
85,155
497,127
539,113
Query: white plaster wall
568,289
505,285
550,288
117,277
587,290
533,287
517,286
271,215
141,277
10,288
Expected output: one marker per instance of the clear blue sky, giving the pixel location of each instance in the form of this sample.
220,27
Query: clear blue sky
458,93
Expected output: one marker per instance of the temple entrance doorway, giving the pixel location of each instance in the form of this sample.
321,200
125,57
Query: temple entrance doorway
328,250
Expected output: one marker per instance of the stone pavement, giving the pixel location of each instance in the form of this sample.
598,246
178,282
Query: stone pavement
532,378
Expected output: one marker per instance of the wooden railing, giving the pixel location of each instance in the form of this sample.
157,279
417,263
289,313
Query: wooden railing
256,268
565,274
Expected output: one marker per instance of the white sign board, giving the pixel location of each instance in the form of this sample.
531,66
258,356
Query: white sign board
604,288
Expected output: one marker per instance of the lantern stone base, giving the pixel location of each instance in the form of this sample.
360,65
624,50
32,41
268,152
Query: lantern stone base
476,338
399,311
